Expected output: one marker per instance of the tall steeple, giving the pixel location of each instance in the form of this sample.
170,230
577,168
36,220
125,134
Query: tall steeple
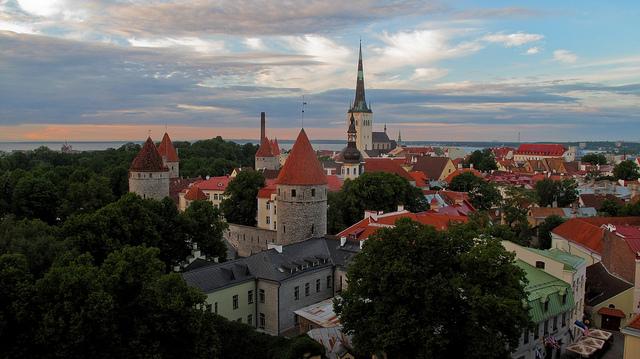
399,138
360,103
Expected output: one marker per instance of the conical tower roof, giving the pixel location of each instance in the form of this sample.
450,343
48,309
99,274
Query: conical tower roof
148,159
167,150
360,102
265,148
302,166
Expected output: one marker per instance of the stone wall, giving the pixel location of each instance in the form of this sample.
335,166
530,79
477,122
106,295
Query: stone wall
174,169
249,240
301,216
149,184
270,163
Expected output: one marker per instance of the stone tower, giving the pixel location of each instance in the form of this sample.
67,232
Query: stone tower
265,158
302,195
169,156
148,176
361,112
350,157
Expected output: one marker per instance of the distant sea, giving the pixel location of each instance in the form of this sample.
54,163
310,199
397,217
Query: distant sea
334,145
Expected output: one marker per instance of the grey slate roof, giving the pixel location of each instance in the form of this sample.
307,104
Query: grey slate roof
379,137
295,259
601,285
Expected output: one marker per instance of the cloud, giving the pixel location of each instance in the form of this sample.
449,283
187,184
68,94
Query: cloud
428,74
255,43
565,56
512,40
533,50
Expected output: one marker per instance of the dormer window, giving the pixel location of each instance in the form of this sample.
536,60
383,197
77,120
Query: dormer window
564,299
546,306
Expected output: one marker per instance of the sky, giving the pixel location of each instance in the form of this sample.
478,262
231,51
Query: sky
434,70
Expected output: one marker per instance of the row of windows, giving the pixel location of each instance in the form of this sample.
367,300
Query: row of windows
294,193
347,170
364,122
261,322
548,325
307,288
261,298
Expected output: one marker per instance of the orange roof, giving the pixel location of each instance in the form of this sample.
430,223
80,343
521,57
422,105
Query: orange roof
419,177
302,166
265,148
611,312
334,183
635,323
544,212
194,193
148,159
460,171
219,183
275,148
386,165
368,226
588,231
541,149
167,150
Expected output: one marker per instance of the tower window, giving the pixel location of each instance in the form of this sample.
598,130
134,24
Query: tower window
293,193
313,192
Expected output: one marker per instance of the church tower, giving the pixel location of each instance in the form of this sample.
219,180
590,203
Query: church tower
350,158
169,156
148,176
302,195
361,112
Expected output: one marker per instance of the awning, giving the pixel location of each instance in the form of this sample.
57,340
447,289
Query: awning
599,334
592,342
612,312
581,349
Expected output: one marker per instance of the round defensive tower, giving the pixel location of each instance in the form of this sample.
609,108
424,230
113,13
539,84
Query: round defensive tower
302,195
148,176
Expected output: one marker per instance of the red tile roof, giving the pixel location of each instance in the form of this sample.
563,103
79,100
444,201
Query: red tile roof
611,312
635,323
386,165
334,183
167,150
588,231
501,152
148,159
194,193
265,148
368,226
419,177
302,166
631,235
460,171
275,148
214,183
541,149
596,200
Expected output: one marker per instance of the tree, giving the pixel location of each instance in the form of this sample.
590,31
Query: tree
408,300
545,228
563,192
611,208
36,198
626,170
240,205
377,191
482,160
483,195
594,158
206,227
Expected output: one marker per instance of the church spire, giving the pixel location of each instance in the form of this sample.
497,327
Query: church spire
360,103
399,138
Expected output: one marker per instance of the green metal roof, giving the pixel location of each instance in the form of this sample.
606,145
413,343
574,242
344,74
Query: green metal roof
570,261
544,287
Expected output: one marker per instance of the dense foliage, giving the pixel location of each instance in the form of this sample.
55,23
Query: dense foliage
626,170
545,228
483,194
594,159
239,205
213,157
408,300
483,161
563,192
375,191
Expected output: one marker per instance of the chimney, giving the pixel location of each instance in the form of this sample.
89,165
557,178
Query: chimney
371,214
362,243
262,125
400,207
343,241
277,247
